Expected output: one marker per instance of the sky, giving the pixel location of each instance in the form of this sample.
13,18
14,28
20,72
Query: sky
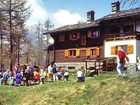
66,12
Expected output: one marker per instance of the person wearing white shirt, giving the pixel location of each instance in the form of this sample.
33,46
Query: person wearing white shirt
66,75
50,73
80,76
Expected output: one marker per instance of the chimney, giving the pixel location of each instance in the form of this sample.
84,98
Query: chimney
115,7
90,16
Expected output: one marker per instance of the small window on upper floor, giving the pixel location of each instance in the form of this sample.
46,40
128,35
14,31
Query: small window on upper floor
74,36
93,34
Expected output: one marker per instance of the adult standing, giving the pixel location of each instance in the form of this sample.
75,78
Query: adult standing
121,60
50,73
54,71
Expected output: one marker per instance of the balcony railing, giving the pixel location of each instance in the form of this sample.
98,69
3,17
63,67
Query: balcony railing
122,36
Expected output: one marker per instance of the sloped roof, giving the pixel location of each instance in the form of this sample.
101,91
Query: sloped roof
75,26
120,14
124,13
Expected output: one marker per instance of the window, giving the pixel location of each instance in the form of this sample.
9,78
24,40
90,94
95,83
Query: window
72,53
93,52
93,34
128,49
114,49
74,36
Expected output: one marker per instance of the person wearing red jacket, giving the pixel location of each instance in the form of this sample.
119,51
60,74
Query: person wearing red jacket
121,60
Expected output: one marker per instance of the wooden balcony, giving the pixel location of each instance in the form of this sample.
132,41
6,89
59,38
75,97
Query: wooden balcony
122,36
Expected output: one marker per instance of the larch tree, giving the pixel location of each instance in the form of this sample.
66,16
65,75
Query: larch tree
14,14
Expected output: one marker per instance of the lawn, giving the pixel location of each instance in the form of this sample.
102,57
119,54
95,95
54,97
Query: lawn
106,89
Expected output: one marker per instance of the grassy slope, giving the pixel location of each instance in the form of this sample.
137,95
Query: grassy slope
107,89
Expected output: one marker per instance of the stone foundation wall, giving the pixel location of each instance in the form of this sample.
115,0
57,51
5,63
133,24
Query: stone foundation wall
132,70
75,65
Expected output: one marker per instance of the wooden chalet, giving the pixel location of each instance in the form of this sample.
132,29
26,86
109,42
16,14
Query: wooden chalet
96,39
122,28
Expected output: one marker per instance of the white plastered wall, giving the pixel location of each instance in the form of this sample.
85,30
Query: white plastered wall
109,44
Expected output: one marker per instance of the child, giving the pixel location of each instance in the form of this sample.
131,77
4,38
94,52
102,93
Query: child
27,76
80,76
60,73
54,71
5,76
18,78
11,78
42,76
66,75
1,78
37,75
50,73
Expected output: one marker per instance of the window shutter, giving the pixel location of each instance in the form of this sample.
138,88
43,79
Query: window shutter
97,52
70,36
113,50
78,35
130,49
66,53
83,40
88,52
89,33
77,53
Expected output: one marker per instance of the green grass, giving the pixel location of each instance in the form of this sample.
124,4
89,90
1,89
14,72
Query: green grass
107,89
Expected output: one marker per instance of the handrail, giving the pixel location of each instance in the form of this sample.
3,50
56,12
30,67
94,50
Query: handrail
125,34
102,64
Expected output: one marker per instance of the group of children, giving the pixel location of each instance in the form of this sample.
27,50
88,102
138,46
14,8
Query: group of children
55,73
25,75
28,75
